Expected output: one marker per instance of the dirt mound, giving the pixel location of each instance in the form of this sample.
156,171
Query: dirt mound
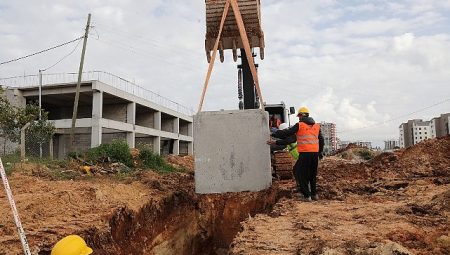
428,160
348,147
185,162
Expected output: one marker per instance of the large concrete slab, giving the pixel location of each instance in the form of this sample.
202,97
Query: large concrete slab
231,154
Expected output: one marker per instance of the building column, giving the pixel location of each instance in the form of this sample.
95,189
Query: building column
191,134
191,148
131,113
176,147
97,112
157,139
157,145
157,120
190,129
131,119
176,125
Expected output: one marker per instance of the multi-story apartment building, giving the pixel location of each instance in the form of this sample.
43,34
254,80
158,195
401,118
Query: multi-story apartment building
402,140
417,130
440,125
434,125
329,134
407,133
422,131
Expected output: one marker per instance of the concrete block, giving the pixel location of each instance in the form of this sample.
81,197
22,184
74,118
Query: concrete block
231,154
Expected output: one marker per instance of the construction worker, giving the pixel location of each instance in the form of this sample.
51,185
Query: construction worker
309,146
290,142
71,245
274,122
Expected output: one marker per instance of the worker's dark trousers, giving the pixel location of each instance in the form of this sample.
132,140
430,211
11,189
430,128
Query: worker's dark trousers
297,178
306,172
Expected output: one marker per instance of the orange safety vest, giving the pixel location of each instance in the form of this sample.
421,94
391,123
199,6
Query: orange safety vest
308,137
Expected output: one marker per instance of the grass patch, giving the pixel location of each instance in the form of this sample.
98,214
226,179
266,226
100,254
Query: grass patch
9,161
155,162
366,154
117,151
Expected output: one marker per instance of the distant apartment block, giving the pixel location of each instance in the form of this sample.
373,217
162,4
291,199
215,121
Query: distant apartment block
391,145
441,125
328,131
344,144
110,108
416,130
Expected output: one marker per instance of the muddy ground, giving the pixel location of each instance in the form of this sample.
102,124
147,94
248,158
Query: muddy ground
396,203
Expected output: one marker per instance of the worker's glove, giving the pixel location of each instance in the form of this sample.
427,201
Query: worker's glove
320,155
271,142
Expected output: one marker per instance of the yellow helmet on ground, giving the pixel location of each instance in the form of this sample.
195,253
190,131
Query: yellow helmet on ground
71,245
303,110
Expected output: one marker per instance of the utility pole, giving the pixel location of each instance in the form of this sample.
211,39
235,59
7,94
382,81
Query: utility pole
40,108
77,94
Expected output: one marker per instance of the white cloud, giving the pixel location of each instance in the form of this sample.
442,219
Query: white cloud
404,42
353,64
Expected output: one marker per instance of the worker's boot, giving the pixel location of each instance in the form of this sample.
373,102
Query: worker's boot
305,199
315,197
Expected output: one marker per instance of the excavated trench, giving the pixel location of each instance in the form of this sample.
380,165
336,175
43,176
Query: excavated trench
182,223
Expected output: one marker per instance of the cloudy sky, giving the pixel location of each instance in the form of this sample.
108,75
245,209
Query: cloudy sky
365,65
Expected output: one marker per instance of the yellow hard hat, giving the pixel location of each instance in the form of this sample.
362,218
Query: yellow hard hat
303,110
71,245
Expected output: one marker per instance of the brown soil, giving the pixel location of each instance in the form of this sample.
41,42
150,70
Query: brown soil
397,203
147,214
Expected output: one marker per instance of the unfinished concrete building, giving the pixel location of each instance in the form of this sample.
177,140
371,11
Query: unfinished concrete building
110,108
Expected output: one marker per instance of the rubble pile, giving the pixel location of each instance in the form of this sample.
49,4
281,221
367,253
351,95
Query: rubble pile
185,162
349,147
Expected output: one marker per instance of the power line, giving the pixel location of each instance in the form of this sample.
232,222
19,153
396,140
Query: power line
70,53
42,51
398,117
140,52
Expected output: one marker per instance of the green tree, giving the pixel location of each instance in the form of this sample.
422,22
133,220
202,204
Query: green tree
13,119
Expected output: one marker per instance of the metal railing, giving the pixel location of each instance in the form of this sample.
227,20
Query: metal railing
105,77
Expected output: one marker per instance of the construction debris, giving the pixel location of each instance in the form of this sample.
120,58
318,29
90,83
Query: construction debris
184,162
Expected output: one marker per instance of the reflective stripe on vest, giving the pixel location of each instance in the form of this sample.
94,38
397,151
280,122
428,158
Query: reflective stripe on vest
308,137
